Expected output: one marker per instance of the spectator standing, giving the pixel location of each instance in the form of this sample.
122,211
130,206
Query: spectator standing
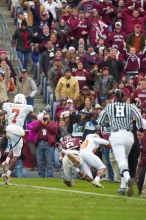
21,39
45,61
97,28
136,39
51,5
108,12
32,8
46,137
107,85
4,57
27,86
132,62
117,36
133,16
82,75
3,88
114,64
67,87
62,30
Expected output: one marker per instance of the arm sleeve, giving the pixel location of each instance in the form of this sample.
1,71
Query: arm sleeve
136,114
34,88
101,141
102,117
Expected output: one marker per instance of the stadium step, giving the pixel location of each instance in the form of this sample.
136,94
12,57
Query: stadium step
5,42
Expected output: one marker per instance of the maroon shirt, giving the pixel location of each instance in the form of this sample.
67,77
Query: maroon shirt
143,152
107,11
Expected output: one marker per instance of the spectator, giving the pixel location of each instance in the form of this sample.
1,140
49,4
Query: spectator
97,28
61,107
21,39
32,8
27,86
85,93
4,57
62,30
46,19
132,17
51,5
107,85
46,137
67,87
3,88
117,36
87,5
91,58
143,60
56,72
88,106
115,66
6,70
136,39
82,75
140,94
132,64
108,12
46,58
54,40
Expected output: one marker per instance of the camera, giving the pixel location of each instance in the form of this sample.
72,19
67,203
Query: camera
45,119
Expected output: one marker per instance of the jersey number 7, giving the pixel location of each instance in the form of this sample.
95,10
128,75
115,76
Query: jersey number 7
16,111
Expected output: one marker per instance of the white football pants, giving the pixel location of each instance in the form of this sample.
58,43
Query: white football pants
121,142
12,139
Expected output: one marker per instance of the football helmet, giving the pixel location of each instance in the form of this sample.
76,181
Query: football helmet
20,99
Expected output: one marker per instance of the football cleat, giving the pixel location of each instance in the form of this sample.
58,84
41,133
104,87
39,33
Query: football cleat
5,167
122,191
67,182
97,184
130,184
6,178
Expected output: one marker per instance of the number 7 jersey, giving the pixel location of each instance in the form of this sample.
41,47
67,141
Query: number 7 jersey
17,113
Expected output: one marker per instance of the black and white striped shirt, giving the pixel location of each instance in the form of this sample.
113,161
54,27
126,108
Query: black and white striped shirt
120,116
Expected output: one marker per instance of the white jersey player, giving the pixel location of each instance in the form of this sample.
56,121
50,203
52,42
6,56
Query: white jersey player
16,113
89,159
16,116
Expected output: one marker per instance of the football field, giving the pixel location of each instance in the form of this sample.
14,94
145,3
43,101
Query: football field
50,199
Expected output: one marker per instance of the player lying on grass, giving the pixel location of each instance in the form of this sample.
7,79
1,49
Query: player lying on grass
84,159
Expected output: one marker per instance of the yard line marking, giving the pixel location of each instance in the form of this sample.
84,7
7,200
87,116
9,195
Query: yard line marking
75,191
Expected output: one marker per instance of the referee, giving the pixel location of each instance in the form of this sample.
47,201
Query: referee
120,116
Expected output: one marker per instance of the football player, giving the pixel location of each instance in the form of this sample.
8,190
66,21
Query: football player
83,160
16,114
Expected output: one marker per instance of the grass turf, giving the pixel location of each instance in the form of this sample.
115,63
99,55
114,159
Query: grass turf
32,203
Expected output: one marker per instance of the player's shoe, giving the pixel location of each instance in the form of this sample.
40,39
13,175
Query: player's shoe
122,191
97,184
58,146
67,182
130,184
5,167
6,178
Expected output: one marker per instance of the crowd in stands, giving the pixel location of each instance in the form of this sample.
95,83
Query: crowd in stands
79,52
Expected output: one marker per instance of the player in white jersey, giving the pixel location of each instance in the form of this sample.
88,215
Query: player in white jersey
16,114
89,159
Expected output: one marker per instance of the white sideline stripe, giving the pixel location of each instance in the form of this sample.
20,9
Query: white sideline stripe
75,191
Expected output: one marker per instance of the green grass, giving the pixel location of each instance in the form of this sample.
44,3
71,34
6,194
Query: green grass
30,203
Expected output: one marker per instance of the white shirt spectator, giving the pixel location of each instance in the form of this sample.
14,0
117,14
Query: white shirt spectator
51,5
